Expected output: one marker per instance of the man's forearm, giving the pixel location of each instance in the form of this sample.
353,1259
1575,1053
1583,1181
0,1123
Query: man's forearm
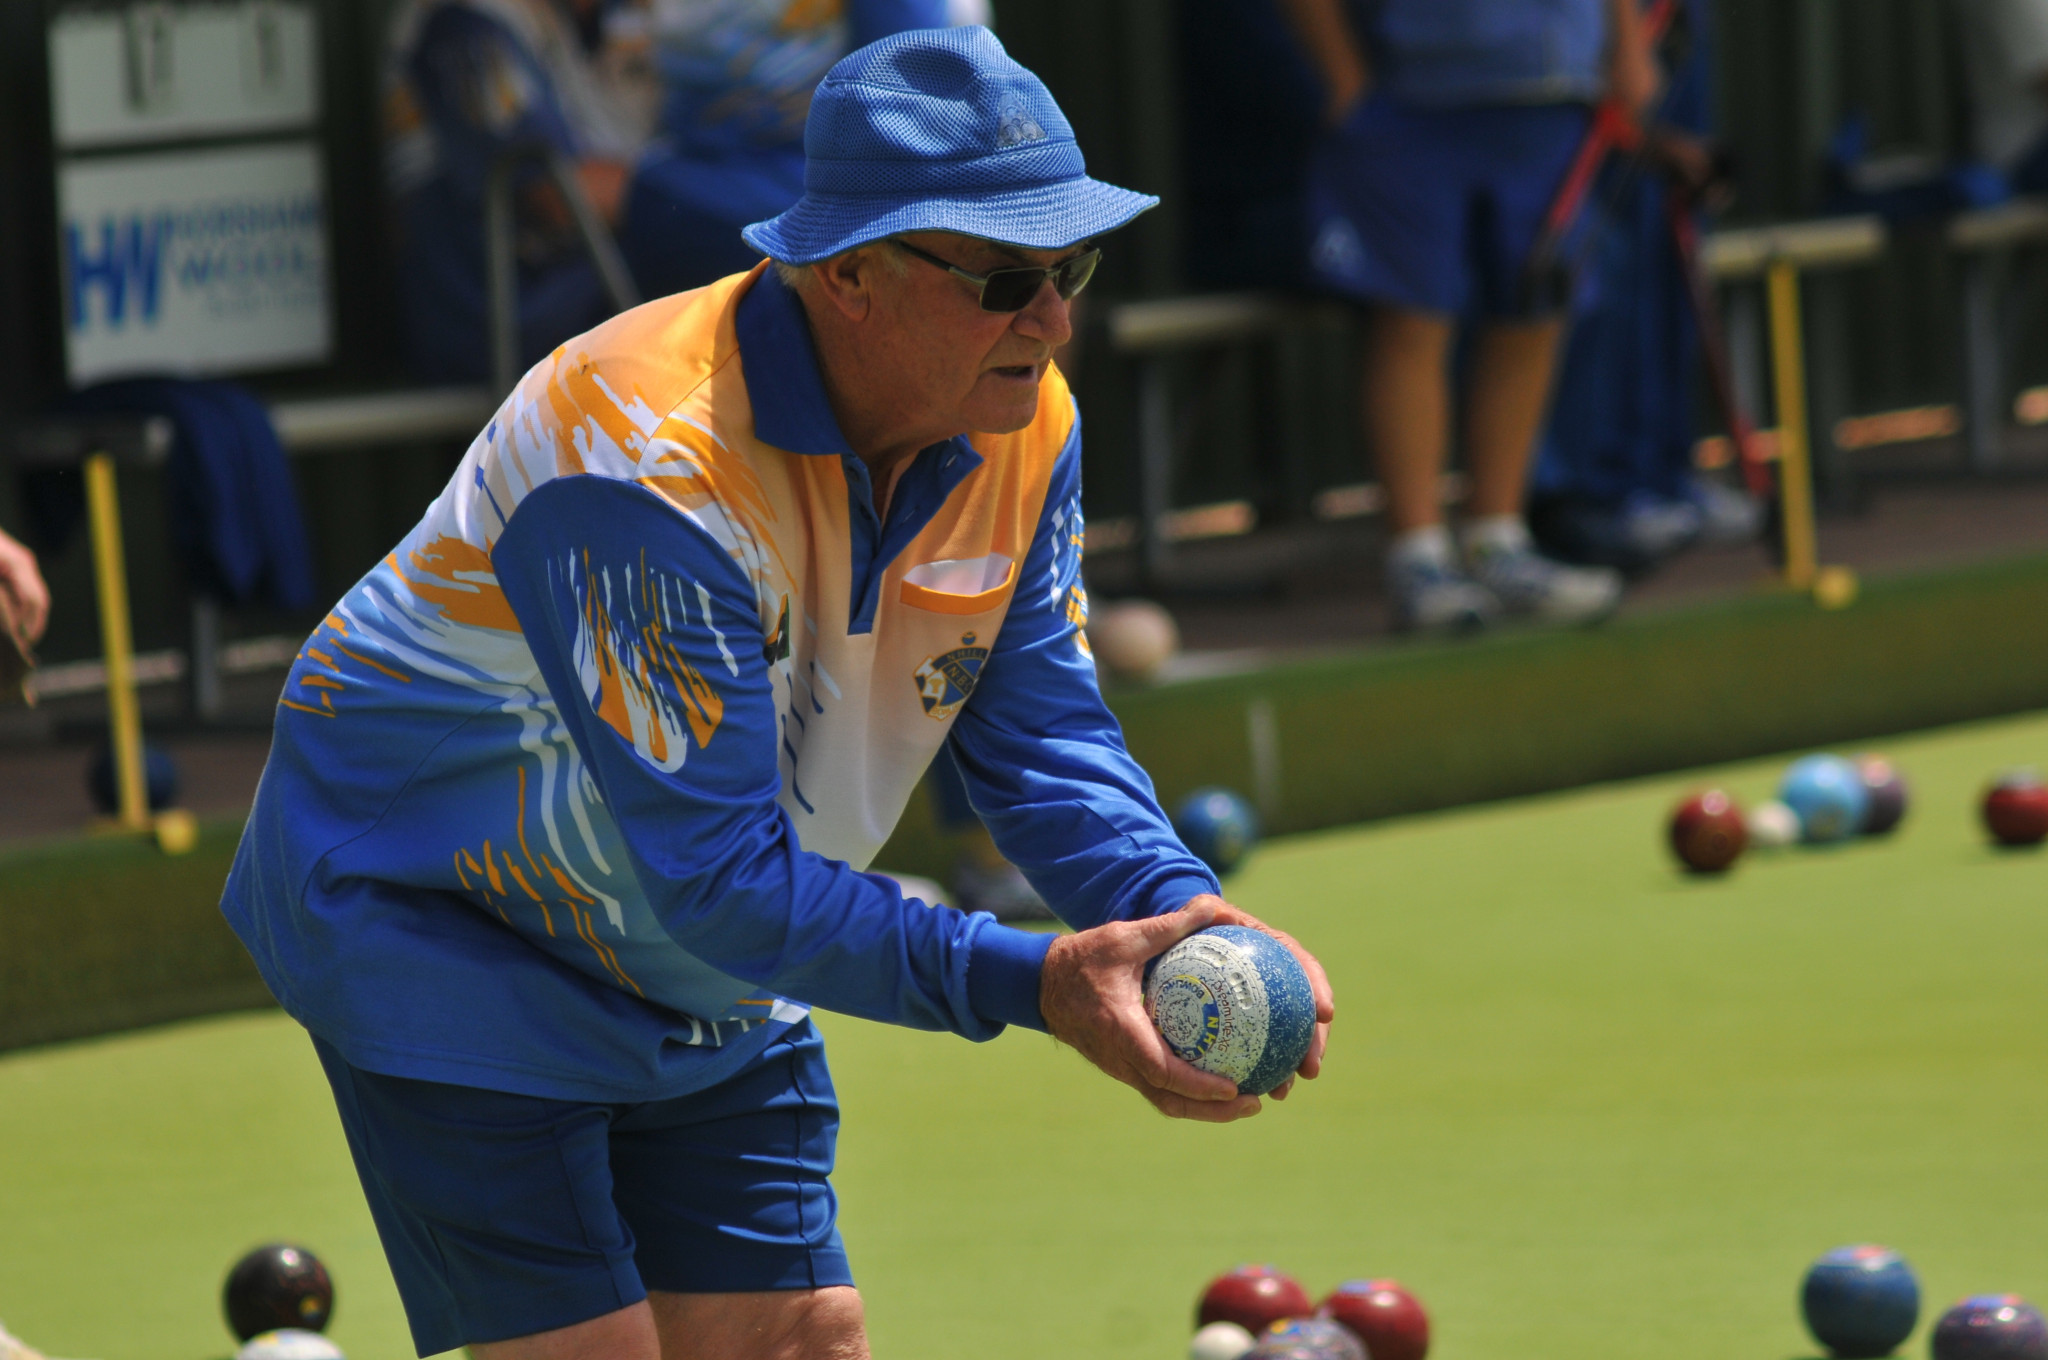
1327,38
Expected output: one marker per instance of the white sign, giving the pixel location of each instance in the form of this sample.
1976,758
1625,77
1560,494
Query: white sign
150,71
194,262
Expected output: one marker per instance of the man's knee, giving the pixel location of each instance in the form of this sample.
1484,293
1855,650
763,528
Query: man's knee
791,1324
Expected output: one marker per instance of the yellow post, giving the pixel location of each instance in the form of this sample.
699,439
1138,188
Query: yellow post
110,575
1795,471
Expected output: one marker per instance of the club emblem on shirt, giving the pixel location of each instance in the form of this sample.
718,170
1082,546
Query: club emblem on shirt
945,681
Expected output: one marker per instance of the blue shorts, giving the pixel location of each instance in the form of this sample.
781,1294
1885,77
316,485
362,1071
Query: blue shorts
504,1215
1437,210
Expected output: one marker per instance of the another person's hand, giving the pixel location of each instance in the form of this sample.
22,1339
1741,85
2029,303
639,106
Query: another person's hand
24,587
1092,996
1348,89
1634,79
605,184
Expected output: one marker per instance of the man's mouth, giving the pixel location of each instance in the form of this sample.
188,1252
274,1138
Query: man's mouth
1017,372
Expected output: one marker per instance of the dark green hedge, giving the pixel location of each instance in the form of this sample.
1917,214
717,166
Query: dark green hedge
107,933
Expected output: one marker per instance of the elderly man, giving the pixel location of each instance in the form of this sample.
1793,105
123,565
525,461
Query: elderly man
561,833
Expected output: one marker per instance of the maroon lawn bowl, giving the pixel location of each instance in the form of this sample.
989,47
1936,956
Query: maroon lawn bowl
1708,833
1386,1317
1254,1297
2016,809
1991,1327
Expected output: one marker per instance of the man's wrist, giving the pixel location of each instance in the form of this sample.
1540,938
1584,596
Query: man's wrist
1004,968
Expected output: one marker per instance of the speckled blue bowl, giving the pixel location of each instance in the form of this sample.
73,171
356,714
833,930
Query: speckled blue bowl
1234,1001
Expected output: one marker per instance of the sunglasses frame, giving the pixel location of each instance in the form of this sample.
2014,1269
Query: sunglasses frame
1057,273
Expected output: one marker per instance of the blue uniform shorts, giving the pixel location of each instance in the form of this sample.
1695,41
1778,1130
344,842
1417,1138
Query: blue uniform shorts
1437,209
504,1215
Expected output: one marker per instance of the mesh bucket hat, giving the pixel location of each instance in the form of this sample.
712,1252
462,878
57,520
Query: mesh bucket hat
937,129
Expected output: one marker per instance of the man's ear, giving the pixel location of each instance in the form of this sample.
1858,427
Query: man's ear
847,281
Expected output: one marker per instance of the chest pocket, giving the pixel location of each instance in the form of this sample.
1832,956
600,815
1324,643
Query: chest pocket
972,585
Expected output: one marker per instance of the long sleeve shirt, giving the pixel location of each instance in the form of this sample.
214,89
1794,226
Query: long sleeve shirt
572,795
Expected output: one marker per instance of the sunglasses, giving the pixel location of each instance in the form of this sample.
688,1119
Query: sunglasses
1011,290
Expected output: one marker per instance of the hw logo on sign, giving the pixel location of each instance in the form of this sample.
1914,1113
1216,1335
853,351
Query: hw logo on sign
124,268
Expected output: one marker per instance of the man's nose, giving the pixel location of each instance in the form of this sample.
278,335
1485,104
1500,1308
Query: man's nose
1048,318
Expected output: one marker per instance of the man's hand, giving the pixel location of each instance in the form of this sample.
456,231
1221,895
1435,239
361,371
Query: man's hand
23,585
1327,40
1092,996
1634,79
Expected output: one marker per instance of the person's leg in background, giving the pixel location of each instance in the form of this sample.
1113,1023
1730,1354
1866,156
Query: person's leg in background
1519,156
1405,392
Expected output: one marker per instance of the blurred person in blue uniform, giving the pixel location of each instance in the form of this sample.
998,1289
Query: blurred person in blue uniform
1451,124
736,79
467,81
2005,63
1615,482
684,119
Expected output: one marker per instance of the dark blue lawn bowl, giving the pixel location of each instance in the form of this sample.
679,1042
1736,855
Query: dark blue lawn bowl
1860,1302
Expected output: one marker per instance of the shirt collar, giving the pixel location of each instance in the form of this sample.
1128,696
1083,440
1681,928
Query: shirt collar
781,369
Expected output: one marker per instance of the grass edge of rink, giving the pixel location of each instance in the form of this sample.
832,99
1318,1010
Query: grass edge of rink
100,933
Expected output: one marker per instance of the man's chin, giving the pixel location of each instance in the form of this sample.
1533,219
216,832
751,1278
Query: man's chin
1007,413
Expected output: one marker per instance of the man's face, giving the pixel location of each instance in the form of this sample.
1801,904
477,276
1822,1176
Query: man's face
967,369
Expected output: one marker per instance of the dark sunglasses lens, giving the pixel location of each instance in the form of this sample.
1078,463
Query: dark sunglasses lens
1073,276
1011,290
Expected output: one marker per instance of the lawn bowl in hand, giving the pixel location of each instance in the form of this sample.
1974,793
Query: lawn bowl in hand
1254,1297
1234,1001
1828,795
1860,1301
1771,825
1991,1327
274,1287
1383,1315
1315,1336
289,1343
2016,809
1218,827
1220,1341
1707,832
1888,796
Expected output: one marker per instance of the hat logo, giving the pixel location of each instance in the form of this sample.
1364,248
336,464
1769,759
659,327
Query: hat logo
1016,126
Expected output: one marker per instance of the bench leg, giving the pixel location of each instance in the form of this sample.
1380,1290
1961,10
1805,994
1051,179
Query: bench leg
1795,469
110,576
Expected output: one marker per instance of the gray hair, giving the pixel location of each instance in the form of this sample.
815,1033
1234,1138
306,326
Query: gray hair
798,277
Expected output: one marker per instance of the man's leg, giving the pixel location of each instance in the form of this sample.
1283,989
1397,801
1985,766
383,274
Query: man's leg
789,1324
1407,400
1513,366
1514,363
786,1324
1406,391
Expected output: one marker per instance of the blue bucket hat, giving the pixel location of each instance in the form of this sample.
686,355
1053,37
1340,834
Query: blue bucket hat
937,129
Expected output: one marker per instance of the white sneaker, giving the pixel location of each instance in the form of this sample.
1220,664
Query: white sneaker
1430,597
1727,514
1525,582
